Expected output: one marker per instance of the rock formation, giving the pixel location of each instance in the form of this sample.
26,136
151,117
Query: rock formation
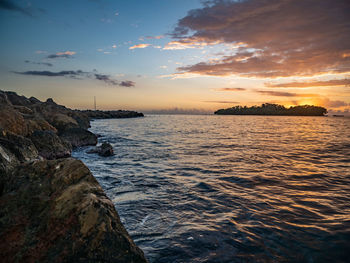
52,209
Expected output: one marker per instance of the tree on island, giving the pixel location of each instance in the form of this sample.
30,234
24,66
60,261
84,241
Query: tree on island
274,109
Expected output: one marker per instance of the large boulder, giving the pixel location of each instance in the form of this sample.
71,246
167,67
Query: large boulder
79,137
61,121
50,146
38,124
55,211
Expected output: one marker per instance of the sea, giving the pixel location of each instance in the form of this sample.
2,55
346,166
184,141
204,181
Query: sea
209,188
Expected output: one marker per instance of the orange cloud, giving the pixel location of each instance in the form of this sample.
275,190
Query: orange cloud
284,94
231,89
327,83
139,46
282,38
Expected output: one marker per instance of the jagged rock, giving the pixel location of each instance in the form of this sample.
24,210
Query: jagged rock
50,146
103,150
3,99
79,137
38,124
23,110
61,121
34,100
17,100
22,148
12,121
81,118
55,211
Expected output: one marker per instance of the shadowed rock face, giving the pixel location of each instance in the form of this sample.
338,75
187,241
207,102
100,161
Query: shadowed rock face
50,146
79,137
55,211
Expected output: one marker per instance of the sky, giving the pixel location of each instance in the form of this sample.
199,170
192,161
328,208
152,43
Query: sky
185,56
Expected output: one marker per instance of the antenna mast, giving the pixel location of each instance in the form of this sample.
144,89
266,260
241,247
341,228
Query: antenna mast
95,102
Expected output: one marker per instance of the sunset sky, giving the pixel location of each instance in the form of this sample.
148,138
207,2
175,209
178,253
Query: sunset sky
158,55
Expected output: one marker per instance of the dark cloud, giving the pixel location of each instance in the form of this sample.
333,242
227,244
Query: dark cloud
231,89
284,94
59,56
107,79
38,63
327,83
127,83
273,38
79,74
9,5
63,73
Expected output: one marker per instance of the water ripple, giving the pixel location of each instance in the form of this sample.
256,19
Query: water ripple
230,188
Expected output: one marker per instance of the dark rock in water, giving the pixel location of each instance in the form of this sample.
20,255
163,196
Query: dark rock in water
50,146
103,150
79,137
116,114
55,211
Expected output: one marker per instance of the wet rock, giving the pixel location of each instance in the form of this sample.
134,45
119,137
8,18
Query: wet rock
55,211
50,146
79,137
103,150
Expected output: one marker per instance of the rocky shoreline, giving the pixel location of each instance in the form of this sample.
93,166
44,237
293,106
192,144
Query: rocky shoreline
52,209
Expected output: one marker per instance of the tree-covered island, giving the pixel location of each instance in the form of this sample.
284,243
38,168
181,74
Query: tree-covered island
274,109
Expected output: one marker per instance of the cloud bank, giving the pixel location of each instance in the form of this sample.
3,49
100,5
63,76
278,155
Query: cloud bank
327,83
273,38
79,74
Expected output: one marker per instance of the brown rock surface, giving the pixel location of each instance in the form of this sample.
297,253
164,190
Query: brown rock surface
55,211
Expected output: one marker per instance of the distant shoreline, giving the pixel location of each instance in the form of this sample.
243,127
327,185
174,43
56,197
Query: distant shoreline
268,109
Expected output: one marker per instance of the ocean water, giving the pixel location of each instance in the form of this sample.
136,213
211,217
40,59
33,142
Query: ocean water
229,188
